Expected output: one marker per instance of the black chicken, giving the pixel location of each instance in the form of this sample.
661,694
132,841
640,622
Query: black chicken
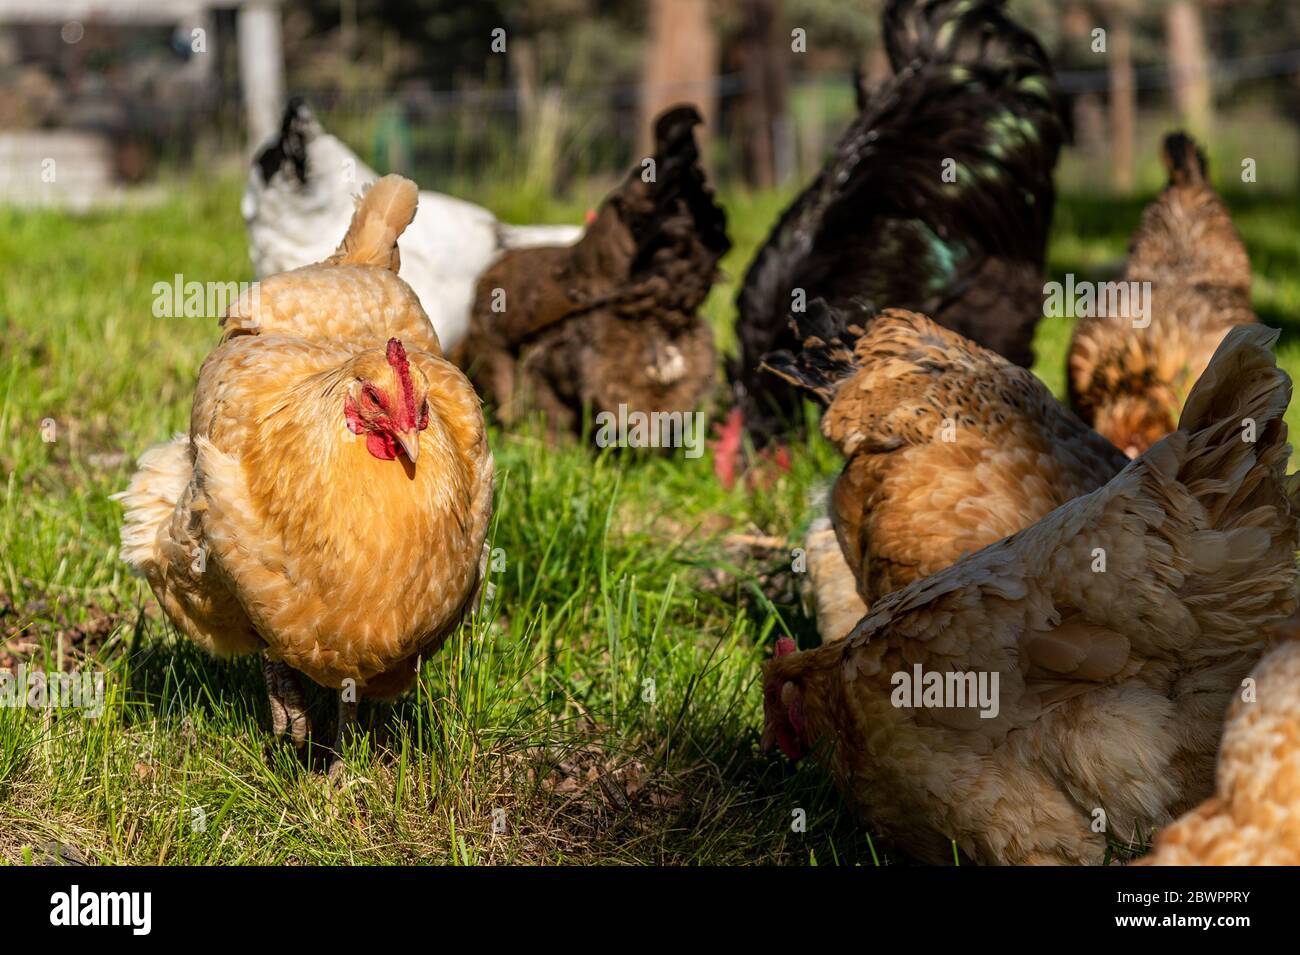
938,199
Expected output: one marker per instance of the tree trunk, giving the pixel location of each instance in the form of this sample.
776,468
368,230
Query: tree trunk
763,128
1089,130
1123,102
680,65
261,68
1189,66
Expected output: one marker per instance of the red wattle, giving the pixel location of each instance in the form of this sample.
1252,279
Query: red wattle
381,445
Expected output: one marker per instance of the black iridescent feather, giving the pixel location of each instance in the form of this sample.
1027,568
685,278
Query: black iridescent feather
882,222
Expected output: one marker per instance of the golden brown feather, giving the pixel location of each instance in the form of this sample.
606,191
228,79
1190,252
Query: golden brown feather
383,214
949,446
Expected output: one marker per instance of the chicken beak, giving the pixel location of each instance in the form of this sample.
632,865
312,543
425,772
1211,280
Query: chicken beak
410,442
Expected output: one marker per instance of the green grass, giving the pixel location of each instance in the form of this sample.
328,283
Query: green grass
622,575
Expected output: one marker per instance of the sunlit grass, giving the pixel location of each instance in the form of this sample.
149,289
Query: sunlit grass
604,707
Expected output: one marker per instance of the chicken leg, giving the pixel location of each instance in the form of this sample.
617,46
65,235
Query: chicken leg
347,716
288,704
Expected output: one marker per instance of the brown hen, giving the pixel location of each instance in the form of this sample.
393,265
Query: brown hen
949,446
1129,373
1110,636
611,320
330,505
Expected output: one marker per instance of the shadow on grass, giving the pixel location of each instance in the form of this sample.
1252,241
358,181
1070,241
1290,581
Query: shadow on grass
716,797
172,679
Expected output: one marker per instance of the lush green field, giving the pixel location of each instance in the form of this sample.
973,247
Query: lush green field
606,708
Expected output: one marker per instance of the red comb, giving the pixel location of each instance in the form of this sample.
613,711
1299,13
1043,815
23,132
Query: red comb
785,646
405,417
397,356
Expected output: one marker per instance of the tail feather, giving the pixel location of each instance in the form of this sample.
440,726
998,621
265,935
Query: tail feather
677,234
1241,380
383,213
150,500
971,86
680,179
966,32
1184,160
825,357
1229,518
1234,418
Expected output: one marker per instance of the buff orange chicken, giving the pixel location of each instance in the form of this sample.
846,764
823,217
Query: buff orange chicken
330,504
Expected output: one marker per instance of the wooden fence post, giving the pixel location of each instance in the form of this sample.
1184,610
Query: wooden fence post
261,67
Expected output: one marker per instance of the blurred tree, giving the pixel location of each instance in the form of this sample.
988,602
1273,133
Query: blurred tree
762,53
1123,91
1189,66
1085,107
567,93
681,64
836,30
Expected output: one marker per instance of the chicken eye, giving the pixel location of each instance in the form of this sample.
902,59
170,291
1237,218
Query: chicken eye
373,396
424,414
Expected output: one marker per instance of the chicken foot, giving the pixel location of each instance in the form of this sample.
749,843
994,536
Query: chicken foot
288,704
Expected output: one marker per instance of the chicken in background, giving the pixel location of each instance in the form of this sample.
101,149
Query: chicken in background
611,320
949,446
938,199
329,507
300,197
1111,678
1253,818
1129,374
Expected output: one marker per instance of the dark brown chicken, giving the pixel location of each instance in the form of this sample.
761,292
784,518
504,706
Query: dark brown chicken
1129,373
611,320
938,199
950,447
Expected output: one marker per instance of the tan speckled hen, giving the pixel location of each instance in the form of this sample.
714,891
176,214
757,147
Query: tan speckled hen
1129,374
1118,627
949,446
330,505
